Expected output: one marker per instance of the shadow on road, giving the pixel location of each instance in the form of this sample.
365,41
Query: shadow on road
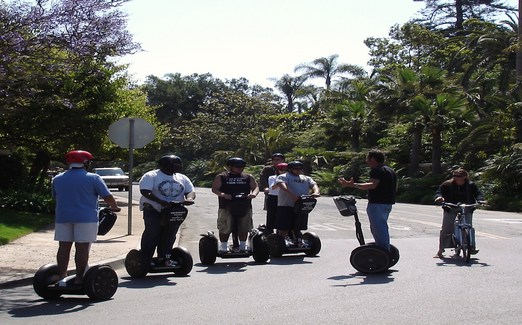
358,278
61,305
149,281
458,261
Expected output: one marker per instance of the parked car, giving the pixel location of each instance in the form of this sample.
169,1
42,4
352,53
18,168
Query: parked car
114,177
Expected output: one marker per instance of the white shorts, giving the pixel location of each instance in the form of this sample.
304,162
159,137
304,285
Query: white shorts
83,232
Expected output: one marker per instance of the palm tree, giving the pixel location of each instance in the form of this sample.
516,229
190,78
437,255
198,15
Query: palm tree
327,68
437,114
290,87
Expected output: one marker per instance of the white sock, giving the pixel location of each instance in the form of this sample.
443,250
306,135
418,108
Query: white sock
242,244
223,246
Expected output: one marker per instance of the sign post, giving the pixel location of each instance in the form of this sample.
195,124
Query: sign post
131,133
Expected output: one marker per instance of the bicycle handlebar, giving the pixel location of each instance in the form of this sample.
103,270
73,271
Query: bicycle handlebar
461,205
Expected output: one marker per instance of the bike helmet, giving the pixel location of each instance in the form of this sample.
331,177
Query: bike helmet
282,166
278,155
171,161
236,162
78,158
295,164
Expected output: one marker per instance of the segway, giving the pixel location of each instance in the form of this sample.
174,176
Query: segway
367,258
179,261
256,241
99,283
310,244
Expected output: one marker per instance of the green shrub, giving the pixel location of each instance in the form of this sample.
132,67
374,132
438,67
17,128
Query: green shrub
29,201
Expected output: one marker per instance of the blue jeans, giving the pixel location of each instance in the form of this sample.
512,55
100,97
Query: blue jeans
378,215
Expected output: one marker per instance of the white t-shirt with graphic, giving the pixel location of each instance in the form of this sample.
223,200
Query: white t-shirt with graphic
170,188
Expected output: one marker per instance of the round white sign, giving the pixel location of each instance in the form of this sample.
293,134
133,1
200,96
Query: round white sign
143,132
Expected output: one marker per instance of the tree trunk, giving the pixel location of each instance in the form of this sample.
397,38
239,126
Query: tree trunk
436,151
415,154
459,24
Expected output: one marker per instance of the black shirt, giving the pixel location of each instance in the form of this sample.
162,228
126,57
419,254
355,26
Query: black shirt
386,190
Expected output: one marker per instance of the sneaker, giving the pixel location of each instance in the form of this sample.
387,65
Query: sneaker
224,251
289,242
171,263
474,251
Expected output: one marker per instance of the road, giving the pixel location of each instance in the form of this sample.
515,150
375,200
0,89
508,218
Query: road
326,288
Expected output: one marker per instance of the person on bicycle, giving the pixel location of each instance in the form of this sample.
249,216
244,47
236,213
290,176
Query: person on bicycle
159,188
234,213
292,185
76,192
458,189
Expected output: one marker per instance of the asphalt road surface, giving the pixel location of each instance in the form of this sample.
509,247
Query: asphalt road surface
306,290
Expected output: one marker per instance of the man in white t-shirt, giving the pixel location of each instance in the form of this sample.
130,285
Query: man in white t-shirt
159,189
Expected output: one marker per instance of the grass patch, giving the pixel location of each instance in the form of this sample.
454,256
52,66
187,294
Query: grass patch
15,224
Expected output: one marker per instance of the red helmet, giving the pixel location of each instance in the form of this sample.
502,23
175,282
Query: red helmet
78,156
282,166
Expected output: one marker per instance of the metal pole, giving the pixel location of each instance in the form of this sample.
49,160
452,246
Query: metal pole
131,163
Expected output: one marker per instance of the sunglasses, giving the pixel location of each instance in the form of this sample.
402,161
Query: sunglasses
459,176
298,168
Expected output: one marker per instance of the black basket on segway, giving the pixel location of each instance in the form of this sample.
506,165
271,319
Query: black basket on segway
106,220
346,205
302,208
239,205
174,213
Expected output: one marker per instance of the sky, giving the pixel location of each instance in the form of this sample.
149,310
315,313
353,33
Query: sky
260,40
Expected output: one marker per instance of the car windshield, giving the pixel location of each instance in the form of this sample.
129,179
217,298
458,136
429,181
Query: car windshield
110,172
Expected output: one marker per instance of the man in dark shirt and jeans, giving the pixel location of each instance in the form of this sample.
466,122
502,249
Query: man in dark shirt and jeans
382,188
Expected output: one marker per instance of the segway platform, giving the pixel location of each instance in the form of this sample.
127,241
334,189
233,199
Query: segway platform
137,266
258,248
99,283
310,244
367,258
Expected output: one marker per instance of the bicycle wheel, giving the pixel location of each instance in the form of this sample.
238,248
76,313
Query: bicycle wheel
466,245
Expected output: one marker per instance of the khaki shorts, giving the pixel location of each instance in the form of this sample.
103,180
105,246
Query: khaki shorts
225,222
83,232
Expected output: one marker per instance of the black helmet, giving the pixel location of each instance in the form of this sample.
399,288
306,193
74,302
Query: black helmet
171,161
236,162
278,155
295,164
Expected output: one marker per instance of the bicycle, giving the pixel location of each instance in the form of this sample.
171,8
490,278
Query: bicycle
464,234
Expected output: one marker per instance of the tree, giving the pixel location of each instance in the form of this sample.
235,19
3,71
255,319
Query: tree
451,14
57,73
290,87
328,68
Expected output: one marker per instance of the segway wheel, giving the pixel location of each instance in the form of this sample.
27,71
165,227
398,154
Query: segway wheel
45,276
184,259
100,282
394,255
370,259
135,264
207,250
315,243
276,245
260,250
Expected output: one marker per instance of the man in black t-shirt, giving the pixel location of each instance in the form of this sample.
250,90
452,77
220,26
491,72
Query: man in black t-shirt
234,212
382,188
